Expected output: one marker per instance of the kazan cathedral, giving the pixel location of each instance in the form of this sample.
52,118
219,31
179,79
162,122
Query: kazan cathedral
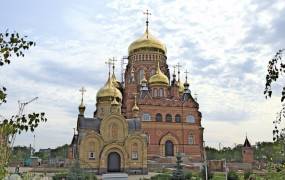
149,116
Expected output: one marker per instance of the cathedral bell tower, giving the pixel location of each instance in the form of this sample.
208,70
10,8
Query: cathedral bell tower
143,56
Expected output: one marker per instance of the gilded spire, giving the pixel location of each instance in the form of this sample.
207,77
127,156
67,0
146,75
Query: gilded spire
186,84
147,13
158,71
115,82
181,86
82,90
109,63
135,108
81,106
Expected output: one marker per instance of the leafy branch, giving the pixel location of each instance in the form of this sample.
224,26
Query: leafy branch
12,44
276,69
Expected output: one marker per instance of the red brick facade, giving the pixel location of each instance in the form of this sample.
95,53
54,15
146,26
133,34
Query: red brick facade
247,152
181,119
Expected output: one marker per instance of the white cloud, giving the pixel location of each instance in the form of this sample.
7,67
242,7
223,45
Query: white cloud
219,41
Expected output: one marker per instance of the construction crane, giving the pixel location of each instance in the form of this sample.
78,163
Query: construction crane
23,104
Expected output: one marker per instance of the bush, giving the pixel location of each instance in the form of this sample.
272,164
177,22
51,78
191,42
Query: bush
233,176
246,175
59,176
188,175
161,177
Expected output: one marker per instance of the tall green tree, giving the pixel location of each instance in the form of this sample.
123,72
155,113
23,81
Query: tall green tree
13,45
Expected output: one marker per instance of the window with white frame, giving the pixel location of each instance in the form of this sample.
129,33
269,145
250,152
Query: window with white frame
135,155
91,155
191,139
135,151
146,117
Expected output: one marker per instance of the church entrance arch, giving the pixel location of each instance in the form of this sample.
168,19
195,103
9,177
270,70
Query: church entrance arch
169,148
114,162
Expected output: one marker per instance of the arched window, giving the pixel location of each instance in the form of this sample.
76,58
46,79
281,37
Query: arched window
135,151
168,118
158,117
191,139
190,119
146,117
91,153
161,94
155,92
114,131
169,148
177,118
141,75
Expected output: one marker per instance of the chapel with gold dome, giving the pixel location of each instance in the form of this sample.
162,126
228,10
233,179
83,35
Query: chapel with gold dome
147,116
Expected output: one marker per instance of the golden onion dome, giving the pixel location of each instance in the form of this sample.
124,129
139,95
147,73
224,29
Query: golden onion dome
181,87
158,78
109,90
147,41
135,108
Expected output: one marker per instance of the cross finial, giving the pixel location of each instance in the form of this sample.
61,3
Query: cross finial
178,65
186,73
147,13
109,63
112,61
82,90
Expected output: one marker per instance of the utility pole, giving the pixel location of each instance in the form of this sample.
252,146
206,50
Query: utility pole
226,170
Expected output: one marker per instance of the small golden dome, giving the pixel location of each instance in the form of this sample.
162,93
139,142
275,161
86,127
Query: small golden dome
181,87
135,108
158,78
109,90
148,41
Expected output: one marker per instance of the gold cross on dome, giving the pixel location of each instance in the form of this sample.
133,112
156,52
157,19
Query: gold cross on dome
147,13
112,61
109,63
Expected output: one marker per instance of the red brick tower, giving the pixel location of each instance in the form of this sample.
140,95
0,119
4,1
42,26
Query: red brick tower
169,114
247,152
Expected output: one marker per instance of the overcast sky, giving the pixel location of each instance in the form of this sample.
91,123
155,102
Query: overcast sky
225,45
